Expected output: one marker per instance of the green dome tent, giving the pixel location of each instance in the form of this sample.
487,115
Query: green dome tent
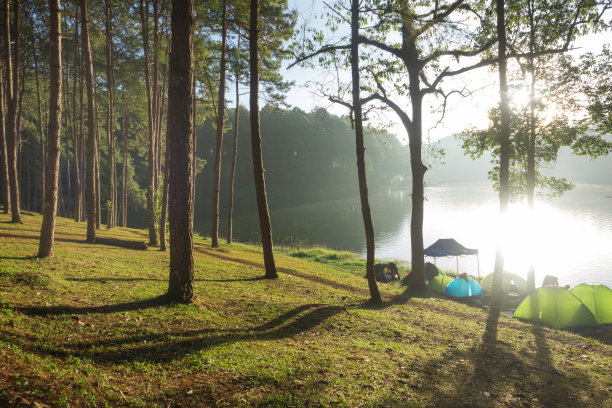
598,299
439,283
512,284
556,307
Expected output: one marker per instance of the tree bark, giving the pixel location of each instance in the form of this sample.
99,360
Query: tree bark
40,128
219,146
230,211
110,125
151,169
360,150
75,124
47,231
180,146
91,127
97,168
258,169
124,170
4,173
69,130
504,157
164,212
12,91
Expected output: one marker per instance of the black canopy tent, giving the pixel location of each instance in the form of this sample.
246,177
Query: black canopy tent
448,248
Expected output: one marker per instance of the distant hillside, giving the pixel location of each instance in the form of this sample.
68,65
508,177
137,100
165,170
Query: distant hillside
455,166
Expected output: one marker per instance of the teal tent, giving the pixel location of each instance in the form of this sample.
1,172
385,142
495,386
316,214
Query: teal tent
556,307
463,288
598,299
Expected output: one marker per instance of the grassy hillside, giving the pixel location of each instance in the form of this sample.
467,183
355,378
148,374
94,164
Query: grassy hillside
89,327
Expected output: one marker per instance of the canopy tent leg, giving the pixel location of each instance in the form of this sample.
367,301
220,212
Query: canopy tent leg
478,261
457,260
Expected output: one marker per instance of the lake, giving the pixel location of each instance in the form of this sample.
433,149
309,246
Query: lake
569,237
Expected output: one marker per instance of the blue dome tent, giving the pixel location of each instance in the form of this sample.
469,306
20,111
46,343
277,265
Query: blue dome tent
463,288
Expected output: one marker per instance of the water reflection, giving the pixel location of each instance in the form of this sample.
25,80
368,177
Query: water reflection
569,237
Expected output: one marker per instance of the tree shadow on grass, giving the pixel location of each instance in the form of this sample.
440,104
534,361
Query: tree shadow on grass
20,258
105,309
106,241
495,372
107,280
161,347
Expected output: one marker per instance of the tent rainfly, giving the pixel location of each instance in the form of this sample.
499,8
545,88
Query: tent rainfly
556,307
598,299
448,248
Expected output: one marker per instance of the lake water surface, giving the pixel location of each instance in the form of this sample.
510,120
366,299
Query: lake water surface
569,237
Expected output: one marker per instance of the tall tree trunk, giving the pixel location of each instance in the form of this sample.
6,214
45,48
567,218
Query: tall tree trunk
91,127
219,146
82,129
531,150
4,172
151,170
75,124
417,274
504,156
47,231
156,95
97,168
40,128
258,169
110,125
20,146
230,211
164,212
360,149
69,130
194,138
12,91
180,146
124,170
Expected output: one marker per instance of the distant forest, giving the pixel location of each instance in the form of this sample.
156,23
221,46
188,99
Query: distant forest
308,157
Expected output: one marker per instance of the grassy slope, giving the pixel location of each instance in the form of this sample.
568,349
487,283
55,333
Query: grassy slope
87,328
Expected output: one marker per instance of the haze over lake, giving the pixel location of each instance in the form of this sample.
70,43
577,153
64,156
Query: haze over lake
569,237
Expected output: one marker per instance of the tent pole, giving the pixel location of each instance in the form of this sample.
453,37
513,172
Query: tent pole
457,259
478,260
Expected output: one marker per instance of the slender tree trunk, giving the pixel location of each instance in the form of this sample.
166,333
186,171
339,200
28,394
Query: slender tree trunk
151,170
110,125
97,169
91,127
180,146
504,157
82,129
230,211
531,151
47,231
69,130
12,91
219,146
20,146
360,149
40,128
4,172
75,124
164,212
124,170
194,138
258,169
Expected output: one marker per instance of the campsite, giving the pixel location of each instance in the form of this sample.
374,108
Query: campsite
305,203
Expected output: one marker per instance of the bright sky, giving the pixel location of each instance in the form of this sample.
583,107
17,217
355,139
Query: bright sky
462,113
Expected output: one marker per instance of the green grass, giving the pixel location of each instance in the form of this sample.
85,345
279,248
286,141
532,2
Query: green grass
89,327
